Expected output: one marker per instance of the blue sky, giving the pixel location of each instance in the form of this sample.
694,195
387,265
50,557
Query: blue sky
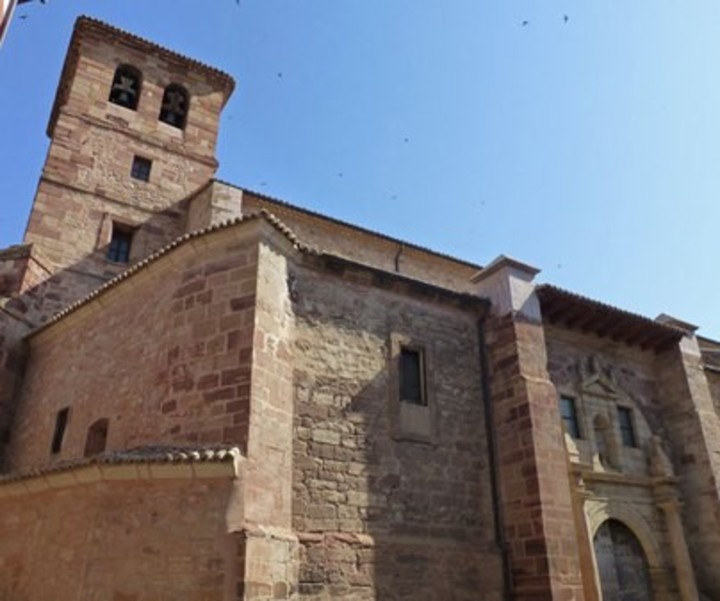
588,148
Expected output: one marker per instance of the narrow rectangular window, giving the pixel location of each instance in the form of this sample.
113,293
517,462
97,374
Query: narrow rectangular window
412,377
568,412
60,425
120,242
627,429
141,168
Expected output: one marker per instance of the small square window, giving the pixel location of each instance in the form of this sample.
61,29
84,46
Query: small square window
120,242
141,168
568,412
627,428
61,420
412,377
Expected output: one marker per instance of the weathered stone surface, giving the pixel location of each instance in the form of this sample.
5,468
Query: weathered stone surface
117,540
244,336
174,374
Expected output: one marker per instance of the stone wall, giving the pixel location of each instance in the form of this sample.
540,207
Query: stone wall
96,51
13,354
536,502
694,433
124,540
379,515
364,246
164,363
215,203
86,184
713,377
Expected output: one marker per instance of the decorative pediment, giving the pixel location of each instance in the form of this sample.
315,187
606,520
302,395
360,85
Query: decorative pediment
597,379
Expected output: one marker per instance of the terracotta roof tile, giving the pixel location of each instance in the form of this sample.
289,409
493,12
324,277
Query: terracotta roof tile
157,454
89,23
576,311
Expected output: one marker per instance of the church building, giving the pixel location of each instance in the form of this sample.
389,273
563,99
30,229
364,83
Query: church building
208,394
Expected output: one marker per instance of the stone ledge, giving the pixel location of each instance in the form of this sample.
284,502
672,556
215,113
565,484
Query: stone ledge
144,463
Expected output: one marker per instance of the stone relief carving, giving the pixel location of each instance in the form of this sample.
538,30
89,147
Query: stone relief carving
597,377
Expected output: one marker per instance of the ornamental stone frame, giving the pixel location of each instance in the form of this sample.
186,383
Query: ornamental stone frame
598,511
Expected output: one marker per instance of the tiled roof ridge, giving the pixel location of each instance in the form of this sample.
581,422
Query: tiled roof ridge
605,306
289,205
170,454
178,242
92,22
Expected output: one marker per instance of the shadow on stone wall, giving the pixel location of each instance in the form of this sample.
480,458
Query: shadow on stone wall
379,516
31,293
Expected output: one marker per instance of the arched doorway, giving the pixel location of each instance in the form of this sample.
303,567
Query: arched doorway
621,562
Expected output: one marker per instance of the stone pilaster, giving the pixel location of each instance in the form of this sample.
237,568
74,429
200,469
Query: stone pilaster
269,543
536,505
586,555
684,572
694,432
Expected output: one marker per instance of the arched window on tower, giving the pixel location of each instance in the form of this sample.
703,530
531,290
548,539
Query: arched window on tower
96,437
175,104
125,89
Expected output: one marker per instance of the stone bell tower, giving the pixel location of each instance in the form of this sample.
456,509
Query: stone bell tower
133,132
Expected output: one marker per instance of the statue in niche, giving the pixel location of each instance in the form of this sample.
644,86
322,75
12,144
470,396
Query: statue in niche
605,444
658,463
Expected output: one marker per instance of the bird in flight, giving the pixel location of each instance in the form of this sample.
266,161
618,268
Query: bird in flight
565,18
525,23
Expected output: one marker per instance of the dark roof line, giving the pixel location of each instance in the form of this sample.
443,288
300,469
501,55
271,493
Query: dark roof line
284,203
85,22
280,227
600,305
547,293
157,454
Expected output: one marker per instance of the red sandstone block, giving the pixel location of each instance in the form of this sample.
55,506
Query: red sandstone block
211,436
221,394
190,288
235,406
241,417
235,376
231,322
233,340
242,303
234,261
208,381
215,346
204,298
234,434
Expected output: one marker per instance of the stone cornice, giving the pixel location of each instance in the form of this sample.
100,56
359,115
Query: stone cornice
86,26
